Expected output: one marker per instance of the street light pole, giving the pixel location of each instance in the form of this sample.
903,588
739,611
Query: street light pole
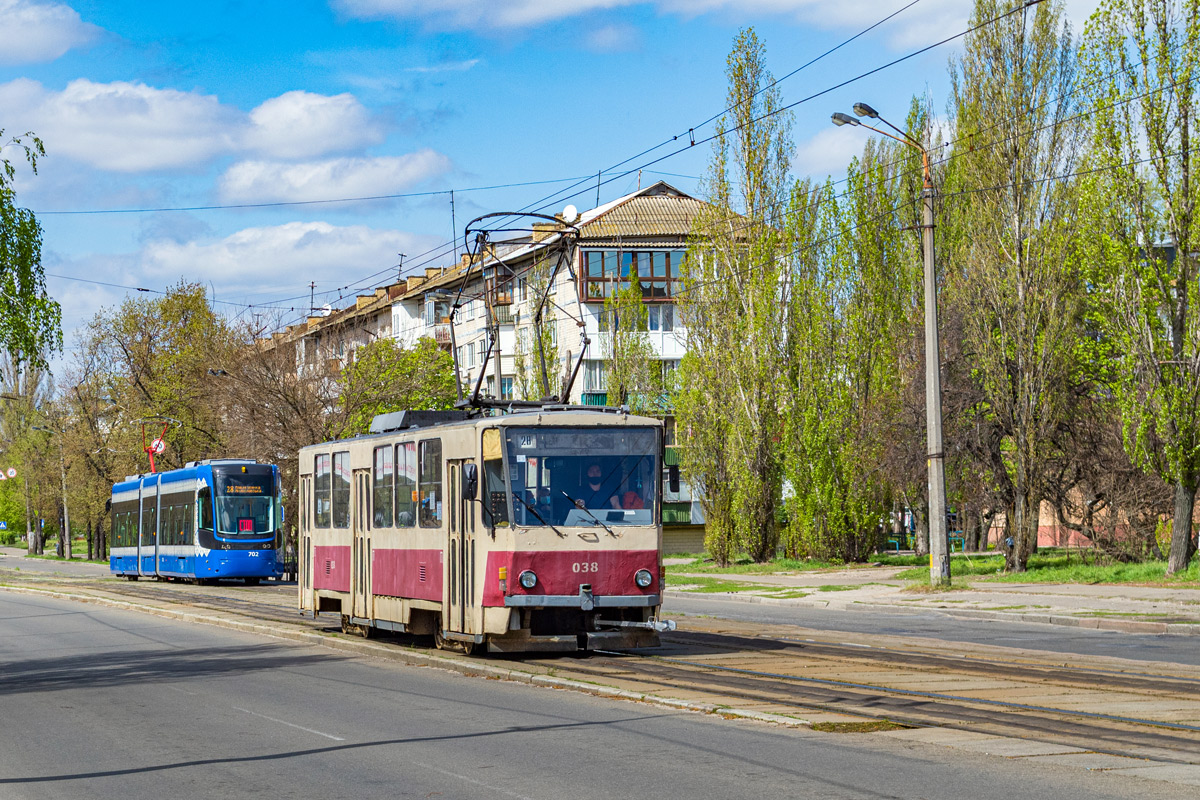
64,538
939,536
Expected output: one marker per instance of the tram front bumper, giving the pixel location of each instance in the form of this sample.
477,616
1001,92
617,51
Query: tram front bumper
585,600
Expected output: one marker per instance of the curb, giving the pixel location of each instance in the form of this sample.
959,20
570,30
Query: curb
1094,623
362,647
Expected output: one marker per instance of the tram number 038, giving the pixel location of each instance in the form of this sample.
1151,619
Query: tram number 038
585,566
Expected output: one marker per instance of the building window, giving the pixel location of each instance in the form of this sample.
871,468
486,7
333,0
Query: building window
593,376
506,388
656,271
661,317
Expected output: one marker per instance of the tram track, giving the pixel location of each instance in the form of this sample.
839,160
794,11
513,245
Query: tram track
1111,734
805,677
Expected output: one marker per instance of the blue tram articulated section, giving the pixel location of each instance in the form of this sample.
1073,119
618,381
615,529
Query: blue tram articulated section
207,521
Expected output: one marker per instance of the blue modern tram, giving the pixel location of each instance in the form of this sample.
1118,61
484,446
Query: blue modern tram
210,520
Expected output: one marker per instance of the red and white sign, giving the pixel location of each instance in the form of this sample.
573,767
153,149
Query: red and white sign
157,446
12,472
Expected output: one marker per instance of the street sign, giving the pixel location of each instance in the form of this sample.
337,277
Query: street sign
3,525
12,472
158,445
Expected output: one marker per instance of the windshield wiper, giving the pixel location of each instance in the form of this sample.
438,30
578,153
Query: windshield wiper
533,511
579,504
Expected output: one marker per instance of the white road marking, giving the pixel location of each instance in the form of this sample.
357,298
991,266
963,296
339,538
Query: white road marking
471,780
290,724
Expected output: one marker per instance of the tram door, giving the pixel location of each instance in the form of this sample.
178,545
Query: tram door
361,549
460,551
148,527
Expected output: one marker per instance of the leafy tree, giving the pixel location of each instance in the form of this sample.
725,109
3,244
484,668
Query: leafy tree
385,377
634,376
851,281
30,321
155,357
1013,110
731,409
1142,197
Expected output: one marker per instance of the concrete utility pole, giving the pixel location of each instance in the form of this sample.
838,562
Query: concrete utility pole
939,536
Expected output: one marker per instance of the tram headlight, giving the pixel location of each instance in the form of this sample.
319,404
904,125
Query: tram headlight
643,578
527,579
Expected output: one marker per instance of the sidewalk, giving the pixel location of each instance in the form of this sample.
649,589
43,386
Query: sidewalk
1120,607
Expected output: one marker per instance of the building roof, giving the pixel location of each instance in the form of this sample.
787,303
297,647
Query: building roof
660,210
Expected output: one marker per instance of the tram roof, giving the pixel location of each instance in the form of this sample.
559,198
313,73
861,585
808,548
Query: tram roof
549,416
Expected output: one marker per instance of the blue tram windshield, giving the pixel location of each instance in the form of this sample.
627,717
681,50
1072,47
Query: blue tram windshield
583,476
246,503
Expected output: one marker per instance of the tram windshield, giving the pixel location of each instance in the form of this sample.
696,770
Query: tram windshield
246,503
601,477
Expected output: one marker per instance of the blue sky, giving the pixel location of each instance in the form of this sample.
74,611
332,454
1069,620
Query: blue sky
234,102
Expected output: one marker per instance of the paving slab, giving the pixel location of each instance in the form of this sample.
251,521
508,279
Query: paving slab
1092,761
1187,774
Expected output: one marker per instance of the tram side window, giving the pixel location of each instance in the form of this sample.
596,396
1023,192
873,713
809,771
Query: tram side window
430,511
149,518
382,487
322,490
189,515
406,485
204,499
341,490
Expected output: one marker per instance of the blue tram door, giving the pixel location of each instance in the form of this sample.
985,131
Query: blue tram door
148,529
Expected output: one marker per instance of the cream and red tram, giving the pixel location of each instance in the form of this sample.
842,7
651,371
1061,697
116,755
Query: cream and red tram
537,530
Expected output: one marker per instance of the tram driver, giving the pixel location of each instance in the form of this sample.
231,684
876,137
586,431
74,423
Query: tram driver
596,492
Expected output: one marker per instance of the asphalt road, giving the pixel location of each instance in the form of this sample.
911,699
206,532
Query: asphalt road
100,703
933,625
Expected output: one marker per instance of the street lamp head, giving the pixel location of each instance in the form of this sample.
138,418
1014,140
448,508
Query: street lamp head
840,119
864,110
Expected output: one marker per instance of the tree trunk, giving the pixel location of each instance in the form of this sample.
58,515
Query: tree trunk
1182,546
970,523
921,523
90,536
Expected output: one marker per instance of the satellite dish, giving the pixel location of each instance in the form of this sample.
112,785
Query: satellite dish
570,214
326,310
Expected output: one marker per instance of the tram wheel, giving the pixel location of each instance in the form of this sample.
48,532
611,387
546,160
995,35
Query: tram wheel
452,645
131,577
354,629
252,581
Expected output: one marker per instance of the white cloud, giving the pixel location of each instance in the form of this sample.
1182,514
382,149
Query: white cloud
923,23
273,181
122,127
612,38
302,125
35,32
828,152
278,258
132,127
476,14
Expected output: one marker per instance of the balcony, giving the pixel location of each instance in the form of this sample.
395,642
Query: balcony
594,398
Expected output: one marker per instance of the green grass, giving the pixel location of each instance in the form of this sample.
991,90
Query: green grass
712,585
1063,567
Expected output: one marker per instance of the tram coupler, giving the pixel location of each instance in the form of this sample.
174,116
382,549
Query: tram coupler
651,624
